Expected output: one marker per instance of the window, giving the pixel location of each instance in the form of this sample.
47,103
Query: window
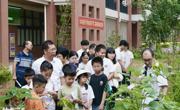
98,35
83,9
83,34
91,35
32,27
91,12
97,13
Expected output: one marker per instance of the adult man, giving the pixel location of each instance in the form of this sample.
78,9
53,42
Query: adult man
84,47
49,50
160,82
22,61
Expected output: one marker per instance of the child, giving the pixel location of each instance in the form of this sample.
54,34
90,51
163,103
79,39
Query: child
92,51
63,54
28,76
84,47
87,94
73,58
35,103
51,87
83,60
69,90
98,81
110,54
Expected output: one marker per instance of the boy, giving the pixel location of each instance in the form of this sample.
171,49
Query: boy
99,82
28,76
35,103
69,90
46,69
51,87
84,47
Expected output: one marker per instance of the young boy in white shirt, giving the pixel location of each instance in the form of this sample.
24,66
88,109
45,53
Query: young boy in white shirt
28,76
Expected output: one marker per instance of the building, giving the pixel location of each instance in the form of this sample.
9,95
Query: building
36,20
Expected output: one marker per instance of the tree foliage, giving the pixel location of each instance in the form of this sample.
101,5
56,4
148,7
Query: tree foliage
161,20
64,25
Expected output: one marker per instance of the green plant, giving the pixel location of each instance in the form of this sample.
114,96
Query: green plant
64,25
66,103
143,88
161,20
5,75
113,40
19,93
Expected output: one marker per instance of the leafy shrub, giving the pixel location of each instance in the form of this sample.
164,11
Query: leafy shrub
19,93
5,75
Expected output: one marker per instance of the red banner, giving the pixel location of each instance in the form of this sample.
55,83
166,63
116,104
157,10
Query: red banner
90,23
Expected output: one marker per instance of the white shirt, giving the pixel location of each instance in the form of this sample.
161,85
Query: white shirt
107,65
126,57
57,66
118,53
79,52
82,66
158,81
53,85
88,94
28,86
118,73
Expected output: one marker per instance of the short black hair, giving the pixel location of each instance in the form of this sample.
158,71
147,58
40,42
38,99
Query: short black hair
97,60
111,50
45,44
99,47
92,46
73,53
63,51
69,70
46,66
124,43
29,72
148,49
84,42
39,79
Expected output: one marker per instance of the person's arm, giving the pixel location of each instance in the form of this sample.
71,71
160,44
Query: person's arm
14,70
101,107
111,76
122,66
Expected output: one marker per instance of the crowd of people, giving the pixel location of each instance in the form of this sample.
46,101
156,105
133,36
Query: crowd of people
85,77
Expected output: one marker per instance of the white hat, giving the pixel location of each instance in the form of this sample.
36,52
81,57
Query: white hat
82,72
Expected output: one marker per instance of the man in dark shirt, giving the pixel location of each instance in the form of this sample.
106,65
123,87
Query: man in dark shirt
22,61
98,81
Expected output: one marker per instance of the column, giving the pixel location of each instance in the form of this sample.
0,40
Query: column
4,47
51,21
129,27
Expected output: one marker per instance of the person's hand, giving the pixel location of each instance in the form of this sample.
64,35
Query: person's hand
101,107
78,101
14,77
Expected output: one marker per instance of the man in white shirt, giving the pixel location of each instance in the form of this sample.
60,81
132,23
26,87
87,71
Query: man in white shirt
49,50
160,81
84,47
125,57
109,68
